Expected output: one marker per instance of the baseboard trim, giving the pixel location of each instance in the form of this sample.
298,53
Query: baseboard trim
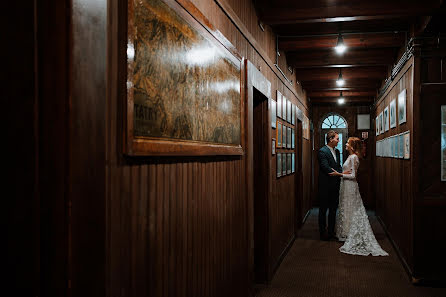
281,257
306,216
406,266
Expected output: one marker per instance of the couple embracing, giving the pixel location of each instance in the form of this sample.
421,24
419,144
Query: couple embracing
338,187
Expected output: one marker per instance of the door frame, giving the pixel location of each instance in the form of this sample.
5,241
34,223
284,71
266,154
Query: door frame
255,79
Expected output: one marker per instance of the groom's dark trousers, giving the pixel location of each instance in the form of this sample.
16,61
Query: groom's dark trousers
328,189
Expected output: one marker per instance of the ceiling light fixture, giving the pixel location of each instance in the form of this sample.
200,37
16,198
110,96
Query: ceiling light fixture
340,81
340,46
341,99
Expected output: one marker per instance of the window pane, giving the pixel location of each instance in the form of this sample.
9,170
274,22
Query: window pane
325,126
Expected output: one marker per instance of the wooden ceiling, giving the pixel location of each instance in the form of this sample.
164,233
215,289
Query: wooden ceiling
373,31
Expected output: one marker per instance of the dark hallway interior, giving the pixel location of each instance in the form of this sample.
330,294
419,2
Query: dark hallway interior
168,148
314,268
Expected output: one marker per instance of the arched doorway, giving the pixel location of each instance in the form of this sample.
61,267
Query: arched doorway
337,123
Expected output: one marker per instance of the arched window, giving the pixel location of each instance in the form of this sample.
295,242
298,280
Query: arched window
333,121
337,123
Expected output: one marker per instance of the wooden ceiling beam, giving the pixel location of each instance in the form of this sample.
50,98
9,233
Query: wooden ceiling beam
368,93
319,100
318,74
363,83
351,58
391,25
363,40
292,12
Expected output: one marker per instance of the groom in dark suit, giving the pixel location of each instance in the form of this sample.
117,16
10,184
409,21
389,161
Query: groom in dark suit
329,159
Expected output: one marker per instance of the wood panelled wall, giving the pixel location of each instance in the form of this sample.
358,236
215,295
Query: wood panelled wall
411,198
430,201
154,226
393,177
365,173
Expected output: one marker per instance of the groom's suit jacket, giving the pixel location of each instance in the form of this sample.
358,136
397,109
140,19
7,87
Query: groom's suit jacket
328,184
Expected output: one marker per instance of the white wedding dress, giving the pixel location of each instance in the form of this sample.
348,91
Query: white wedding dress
352,222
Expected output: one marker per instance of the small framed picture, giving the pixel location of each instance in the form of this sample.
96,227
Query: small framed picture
395,146
273,146
381,123
279,134
392,113
401,146
377,125
279,165
292,138
293,162
293,114
386,119
407,145
284,100
283,164
284,137
279,104
273,113
402,107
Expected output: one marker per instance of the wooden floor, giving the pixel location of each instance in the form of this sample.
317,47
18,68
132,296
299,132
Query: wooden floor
317,268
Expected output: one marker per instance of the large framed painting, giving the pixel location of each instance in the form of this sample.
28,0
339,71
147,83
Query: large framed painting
402,107
183,84
392,113
443,142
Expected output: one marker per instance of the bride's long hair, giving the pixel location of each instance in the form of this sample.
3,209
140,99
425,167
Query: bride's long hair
356,144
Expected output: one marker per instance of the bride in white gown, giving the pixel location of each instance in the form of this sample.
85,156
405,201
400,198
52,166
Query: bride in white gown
352,222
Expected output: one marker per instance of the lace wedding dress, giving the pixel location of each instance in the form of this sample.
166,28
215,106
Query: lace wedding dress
352,222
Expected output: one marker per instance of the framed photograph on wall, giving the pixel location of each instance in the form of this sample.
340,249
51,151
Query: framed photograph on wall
402,107
363,121
279,165
279,134
401,146
443,142
381,123
407,145
292,138
293,163
279,104
163,113
273,113
392,113
284,103
284,137
293,114
273,146
386,119
283,164
377,125
396,146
